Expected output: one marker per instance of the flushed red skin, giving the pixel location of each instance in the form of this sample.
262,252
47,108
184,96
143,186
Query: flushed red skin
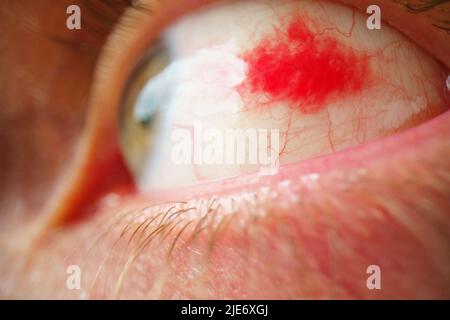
304,68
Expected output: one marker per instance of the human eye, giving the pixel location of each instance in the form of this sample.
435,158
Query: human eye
290,82
116,156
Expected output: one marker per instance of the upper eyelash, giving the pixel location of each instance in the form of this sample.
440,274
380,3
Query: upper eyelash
100,20
420,6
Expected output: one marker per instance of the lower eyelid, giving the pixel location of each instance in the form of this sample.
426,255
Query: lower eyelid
351,211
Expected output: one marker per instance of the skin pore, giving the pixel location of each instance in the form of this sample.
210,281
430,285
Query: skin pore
311,237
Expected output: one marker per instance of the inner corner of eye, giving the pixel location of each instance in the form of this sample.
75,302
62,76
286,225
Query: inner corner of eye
313,72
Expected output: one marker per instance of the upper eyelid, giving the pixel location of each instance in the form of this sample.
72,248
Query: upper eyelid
104,13
414,7
98,17
430,12
423,6
98,20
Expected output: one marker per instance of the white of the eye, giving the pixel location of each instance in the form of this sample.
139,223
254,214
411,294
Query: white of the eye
203,83
200,84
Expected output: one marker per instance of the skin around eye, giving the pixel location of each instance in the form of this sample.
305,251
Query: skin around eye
296,79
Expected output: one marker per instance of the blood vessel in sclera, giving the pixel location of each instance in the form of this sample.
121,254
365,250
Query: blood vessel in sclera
305,69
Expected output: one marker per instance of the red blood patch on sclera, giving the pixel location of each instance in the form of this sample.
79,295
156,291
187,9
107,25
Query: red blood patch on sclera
305,69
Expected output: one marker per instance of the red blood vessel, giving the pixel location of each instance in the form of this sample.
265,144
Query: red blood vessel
305,69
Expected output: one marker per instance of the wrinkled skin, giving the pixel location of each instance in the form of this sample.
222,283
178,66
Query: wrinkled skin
313,237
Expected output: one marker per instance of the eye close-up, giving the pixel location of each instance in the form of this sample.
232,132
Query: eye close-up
225,150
